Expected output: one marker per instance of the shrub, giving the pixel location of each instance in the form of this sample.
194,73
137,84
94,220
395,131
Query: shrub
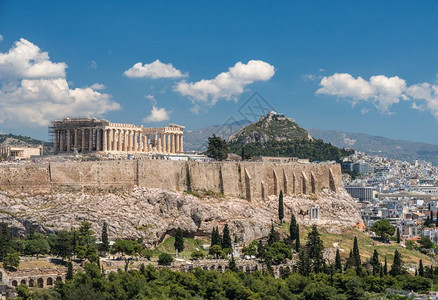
165,259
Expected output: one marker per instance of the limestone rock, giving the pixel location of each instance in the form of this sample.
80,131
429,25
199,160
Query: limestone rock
153,213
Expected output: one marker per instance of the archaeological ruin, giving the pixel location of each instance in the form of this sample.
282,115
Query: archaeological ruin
98,135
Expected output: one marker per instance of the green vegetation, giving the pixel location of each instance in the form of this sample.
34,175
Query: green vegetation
217,148
383,229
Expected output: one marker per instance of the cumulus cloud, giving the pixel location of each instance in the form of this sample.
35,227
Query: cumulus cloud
26,60
34,90
93,64
98,86
1,38
227,85
154,70
379,90
157,114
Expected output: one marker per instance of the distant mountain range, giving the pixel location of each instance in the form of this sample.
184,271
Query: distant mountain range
196,140
377,145
20,140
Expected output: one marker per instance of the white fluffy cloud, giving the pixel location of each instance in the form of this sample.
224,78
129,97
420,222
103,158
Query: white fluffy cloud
157,114
154,70
34,90
379,90
1,38
26,60
227,85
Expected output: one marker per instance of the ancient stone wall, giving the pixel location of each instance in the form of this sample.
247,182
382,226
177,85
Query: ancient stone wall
248,180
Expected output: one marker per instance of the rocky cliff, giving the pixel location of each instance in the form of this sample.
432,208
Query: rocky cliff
152,213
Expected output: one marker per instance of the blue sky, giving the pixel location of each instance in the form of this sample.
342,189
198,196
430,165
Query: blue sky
367,66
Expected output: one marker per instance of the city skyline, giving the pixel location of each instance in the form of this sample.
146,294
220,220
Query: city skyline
358,67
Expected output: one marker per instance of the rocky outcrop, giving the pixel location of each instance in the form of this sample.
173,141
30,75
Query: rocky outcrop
153,213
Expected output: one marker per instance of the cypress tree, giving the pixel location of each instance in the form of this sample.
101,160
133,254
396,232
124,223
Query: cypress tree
385,267
105,241
356,256
374,261
431,216
69,275
232,264
293,228
226,238
297,241
421,268
338,263
436,221
381,270
304,264
398,235
273,235
280,207
179,241
427,222
260,249
396,268
350,261
215,237
415,273
315,247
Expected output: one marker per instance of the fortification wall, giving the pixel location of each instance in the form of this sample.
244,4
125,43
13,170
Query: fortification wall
250,180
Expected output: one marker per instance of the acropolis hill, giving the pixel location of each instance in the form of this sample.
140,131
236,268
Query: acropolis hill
149,198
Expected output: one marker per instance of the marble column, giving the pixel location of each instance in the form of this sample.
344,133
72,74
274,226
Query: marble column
98,139
109,142
68,140
163,142
83,140
105,140
125,140
119,140
173,143
135,141
90,139
181,143
168,142
75,138
177,143
55,140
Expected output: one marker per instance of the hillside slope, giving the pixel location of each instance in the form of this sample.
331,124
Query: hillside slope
277,135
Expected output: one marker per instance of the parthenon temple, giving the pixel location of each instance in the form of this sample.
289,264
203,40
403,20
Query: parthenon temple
94,135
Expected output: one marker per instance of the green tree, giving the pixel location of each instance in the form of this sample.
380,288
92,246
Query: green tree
315,248
375,263
216,251
385,267
426,243
383,228
356,257
297,241
197,254
128,247
217,148
398,235
165,259
421,268
251,249
226,238
277,253
232,264
338,263
293,228
350,261
304,263
273,235
11,261
280,207
61,244
215,237
5,240
260,249
397,265
105,241
69,275
36,244
179,241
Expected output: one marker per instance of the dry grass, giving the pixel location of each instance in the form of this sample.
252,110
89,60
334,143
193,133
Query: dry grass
36,264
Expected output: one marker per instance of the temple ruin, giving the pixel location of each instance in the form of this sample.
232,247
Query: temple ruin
95,135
